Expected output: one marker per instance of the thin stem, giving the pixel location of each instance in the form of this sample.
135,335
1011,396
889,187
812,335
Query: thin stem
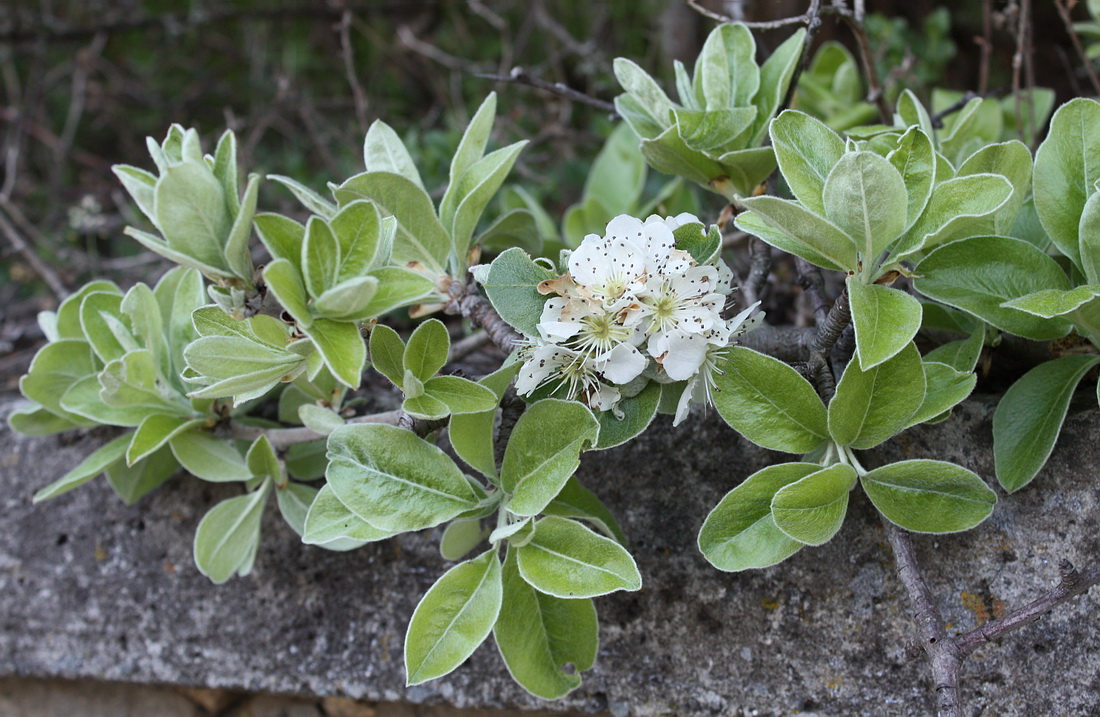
283,438
943,652
40,267
1064,12
875,95
518,75
480,312
813,283
761,266
1069,586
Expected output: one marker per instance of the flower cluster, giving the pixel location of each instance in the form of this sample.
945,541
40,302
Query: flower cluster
633,307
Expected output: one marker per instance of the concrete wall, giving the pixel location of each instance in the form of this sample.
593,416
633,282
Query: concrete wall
92,589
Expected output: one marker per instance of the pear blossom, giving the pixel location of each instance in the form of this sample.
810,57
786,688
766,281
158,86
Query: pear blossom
631,304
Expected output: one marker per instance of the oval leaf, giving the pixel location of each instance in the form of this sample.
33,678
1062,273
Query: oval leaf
926,496
885,321
768,402
394,480
872,406
567,560
811,510
453,618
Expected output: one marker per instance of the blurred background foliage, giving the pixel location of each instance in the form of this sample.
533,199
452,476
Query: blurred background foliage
83,82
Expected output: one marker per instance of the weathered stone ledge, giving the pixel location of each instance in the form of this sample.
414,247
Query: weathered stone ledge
90,588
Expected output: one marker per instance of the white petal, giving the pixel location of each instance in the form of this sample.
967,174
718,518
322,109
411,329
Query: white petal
622,364
604,398
683,406
686,353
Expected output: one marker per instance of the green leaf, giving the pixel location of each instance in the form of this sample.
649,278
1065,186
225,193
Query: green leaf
310,199
424,407
518,227
1011,160
329,521
643,88
427,349
358,230
956,209
807,151
349,300
84,398
811,510
789,226
545,641
192,213
915,159
947,387
567,560
237,255
961,355
472,434
1030,415
307,461
294,500
132,482
460,537
1067,166
89,468
262,461
226,539
238,366
979,275
454,617
512,288
925,496
33,420
740,533
342,347
638,412
68,325
543,451
282,236
1090,239
141,185
668,153
1049,303
394,480
885,321
383,151
155,432
866,198
871,406
102,323
396,287
320,257
387,352
319,419
420,236
284,281
475,188
209,458
57,367
768,402
576,501
712,130
775,78
470,149
618,173
461,395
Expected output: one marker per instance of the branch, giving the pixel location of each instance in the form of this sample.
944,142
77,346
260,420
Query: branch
813,283
40,267
875,95
761,266
1070,586
1064,12
518,75
817,364
480,312
943,652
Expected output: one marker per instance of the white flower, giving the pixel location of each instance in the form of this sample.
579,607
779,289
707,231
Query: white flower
606,268
633,304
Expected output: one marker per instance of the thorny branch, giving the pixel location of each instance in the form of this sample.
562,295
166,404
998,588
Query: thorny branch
947,654
518,75
1071,584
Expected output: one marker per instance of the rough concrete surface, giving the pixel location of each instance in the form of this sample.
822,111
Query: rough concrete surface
92,589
